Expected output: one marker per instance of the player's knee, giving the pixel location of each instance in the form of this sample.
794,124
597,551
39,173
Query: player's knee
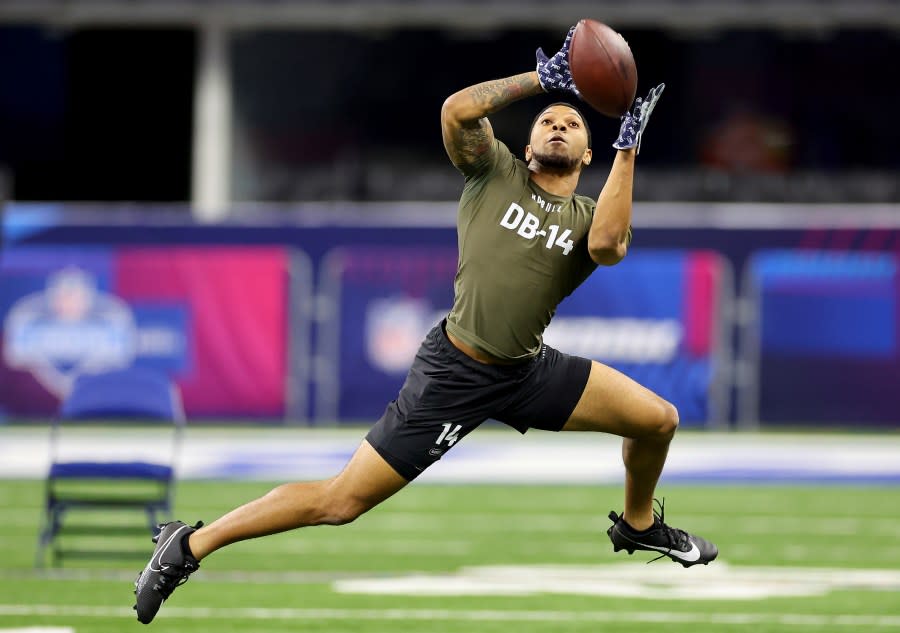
341,508
661,422
667,422
346,511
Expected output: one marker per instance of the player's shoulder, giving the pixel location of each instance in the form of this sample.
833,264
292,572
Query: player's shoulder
500,165
506,162
584,203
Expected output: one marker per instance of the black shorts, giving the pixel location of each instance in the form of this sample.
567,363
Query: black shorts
447,395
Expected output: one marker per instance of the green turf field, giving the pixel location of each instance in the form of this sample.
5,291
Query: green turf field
540,552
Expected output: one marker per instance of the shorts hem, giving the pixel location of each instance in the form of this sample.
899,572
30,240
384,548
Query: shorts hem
404,469
582,381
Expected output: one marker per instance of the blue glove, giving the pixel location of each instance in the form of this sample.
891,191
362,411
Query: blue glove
554,73
635,122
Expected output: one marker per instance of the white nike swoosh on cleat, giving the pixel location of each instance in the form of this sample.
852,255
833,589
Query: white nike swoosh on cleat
691,556
160,551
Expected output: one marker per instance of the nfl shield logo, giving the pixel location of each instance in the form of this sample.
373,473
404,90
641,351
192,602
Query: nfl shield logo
395,328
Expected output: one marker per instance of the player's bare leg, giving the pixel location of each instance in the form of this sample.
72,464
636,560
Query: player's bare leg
614,403
366,481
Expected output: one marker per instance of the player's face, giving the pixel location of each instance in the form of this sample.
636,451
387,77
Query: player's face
559,139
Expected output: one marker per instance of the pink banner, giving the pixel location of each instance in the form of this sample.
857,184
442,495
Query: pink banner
236,301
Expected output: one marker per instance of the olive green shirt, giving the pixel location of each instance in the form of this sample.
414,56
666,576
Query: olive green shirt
522,250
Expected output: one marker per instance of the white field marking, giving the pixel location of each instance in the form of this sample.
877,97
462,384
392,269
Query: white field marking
797,552
429,548
554,522
437,548
857,621
207,575
837,526
319,577
40,629
420,547
719,581
339,544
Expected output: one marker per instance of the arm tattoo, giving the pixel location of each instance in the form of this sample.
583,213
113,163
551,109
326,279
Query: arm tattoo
493,95
474,138
471,143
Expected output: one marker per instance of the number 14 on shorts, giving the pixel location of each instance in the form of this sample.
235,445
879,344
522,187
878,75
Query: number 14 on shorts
449,434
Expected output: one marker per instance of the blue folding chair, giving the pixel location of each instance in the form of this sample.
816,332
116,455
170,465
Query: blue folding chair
111,398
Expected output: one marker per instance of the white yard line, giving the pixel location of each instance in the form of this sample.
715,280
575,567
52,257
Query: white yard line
480,615
40,629
387,520
541,575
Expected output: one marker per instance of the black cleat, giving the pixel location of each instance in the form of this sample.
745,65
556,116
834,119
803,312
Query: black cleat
678,545
168,568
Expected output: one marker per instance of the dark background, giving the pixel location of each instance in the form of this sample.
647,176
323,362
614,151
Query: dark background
105,114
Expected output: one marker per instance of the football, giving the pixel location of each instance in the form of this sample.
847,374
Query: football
603,68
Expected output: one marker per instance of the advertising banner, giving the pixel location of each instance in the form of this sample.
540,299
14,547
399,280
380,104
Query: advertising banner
384,301
824,337
213,318
655,316
797,388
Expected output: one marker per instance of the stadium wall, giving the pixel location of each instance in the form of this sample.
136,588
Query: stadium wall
312,315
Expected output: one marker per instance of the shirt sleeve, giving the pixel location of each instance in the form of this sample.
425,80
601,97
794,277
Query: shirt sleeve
499,160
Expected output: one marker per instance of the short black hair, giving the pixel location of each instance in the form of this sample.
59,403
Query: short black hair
587,128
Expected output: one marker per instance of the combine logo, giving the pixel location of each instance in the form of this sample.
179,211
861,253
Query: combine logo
68,329
395,328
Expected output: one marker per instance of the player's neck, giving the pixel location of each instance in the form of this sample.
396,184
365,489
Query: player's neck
556,182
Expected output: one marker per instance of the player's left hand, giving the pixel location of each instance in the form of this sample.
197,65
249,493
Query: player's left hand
635,122
553,72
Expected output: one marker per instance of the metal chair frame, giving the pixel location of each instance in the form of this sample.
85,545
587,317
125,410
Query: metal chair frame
101,483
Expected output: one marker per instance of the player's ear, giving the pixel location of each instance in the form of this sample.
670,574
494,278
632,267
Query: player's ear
528,153
587,156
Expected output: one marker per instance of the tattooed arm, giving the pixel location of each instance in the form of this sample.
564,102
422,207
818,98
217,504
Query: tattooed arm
468,137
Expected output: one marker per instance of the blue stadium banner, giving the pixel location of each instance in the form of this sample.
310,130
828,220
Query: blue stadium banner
826,337
383,301
655,317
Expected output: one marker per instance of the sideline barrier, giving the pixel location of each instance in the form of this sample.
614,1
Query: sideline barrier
657,318
379,303
661,317
735,231
820,340
213,318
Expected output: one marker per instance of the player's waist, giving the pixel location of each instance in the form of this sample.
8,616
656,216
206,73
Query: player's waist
477,354
481,351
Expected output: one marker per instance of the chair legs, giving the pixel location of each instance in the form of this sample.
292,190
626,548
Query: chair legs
52,523
53,527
